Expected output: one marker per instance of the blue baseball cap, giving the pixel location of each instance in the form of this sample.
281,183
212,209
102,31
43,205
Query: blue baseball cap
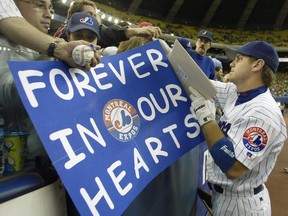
258,49
205,34
82,20
186,43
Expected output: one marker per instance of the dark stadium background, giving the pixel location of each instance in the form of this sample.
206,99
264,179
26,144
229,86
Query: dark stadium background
267,17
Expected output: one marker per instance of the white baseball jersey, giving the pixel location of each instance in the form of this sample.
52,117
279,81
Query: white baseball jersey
257,130
8,8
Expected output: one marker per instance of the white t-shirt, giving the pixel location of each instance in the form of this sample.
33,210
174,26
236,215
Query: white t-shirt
8,8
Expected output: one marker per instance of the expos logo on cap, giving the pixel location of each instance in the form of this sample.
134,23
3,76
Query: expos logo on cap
86,20
82,20
255,139
205,34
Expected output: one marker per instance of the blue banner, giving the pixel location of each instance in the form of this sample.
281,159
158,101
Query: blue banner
111,130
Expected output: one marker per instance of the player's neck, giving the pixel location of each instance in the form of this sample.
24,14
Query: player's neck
249,84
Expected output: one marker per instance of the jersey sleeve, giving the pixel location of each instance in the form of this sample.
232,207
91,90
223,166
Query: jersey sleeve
255,135
225,92
8,9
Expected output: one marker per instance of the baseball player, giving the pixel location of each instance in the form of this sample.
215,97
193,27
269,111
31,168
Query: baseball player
244,145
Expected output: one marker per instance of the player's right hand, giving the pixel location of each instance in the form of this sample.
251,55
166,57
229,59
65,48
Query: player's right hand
203,109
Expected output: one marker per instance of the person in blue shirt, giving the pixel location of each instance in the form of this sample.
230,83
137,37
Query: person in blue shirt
203,44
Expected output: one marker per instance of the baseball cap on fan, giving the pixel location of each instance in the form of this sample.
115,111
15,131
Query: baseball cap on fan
82,20
205,34
187,45
257,49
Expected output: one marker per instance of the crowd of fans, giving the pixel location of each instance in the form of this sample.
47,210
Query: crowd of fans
222,36
280,87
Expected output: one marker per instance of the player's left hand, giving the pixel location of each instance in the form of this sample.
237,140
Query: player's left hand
203,109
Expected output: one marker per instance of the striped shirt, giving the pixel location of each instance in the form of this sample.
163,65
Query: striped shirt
8,9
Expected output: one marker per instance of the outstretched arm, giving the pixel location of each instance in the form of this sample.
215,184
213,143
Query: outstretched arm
17,29
148,31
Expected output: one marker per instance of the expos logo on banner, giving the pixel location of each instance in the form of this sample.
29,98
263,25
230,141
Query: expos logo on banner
111,130
121,120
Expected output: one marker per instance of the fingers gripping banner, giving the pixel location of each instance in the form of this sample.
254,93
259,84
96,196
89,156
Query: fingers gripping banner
111,130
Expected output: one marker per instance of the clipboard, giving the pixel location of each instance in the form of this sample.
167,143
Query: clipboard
189,73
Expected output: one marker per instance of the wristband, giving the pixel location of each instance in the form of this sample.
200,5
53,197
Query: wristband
223,154
51,48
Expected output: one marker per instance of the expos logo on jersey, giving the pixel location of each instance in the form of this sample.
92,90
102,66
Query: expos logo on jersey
255,139
121,120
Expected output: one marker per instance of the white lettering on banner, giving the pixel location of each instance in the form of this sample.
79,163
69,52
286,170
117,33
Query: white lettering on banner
120,76
177,96
116,179
97,136
30,87
138,165
135,67
94,201
74,159
173,97
84,84
154,62
158,61
192,125
127,136
170,131
165,109
156,151
52,79
62,136
97,75
153,144
149,116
